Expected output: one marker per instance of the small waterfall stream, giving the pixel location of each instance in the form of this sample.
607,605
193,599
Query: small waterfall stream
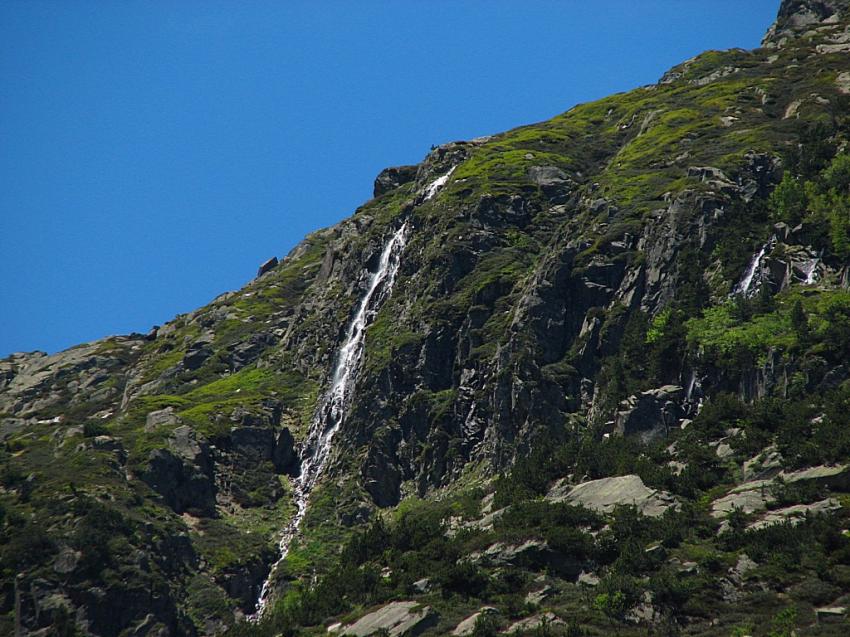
331,409
745,285
812,274
692,381
438,183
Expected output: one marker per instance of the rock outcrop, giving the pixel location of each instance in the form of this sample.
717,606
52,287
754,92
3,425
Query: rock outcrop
531,555
267,266
797,17
398,619
651,415
390,179
467,626
183,473
605,494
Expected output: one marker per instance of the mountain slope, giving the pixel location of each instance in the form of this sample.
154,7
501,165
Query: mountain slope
642,301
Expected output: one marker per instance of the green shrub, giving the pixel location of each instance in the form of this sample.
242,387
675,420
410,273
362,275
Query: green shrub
99,535
92,428
29,545
462,578
837,175
486,625
788,200
783,623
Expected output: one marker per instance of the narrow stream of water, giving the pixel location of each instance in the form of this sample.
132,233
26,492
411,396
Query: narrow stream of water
745,285
330,412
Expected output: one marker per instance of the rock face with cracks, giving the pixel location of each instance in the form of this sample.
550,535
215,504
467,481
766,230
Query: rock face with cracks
606,493
399,619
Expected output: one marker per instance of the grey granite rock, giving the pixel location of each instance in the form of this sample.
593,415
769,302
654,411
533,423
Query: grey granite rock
606,493
467,626
398,619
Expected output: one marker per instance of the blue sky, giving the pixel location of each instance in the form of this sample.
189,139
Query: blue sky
152,154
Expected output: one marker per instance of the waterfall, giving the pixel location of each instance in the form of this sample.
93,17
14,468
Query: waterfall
746,283
694,388
812,274
438,183
692,381
330,412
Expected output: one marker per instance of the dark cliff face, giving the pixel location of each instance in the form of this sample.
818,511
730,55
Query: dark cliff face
797,17
601,276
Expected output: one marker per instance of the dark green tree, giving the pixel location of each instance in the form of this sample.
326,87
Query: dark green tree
800,322
788,201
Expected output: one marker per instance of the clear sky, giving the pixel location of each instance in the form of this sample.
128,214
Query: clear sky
153,153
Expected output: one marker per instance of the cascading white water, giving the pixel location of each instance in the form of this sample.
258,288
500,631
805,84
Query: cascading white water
438,183
746,283
692,381
694,385
331,409
812,274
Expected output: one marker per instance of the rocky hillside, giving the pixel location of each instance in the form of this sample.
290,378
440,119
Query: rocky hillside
588,376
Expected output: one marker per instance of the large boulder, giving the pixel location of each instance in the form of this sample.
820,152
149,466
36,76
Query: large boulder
257,443
650,415
262,443
542,623
244,352
391,178
606,493
161,418
111,445
197,355
66,561
553,182
397,619
743,501
267,266
267,414
500,211
766,464
831,614
795,514
756,495
535,555
467,626
829,476
183,473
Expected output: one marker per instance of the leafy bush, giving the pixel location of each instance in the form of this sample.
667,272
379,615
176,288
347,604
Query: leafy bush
788,201
486,625
99,532
92,429
27,546
462,578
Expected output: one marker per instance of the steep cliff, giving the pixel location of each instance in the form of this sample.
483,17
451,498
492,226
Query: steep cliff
643,301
